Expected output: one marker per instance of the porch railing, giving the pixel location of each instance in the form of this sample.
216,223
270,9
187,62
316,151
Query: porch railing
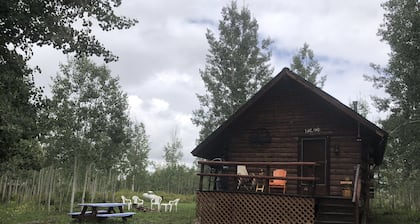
266,166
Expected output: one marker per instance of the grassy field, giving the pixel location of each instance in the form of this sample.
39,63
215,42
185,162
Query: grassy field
11,214
27,214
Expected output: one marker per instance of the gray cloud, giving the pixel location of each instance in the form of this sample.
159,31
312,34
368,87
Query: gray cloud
160,57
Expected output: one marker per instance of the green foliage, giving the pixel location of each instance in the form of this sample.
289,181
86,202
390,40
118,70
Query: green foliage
19,118
305,65
136,160
236,68
401,80
50,188
177,179
66,25
88,114
361,106
173,153
381,216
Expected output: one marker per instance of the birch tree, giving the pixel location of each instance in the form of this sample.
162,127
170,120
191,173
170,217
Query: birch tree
400,78
89,120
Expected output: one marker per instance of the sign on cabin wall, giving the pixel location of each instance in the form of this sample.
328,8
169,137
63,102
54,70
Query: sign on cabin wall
312,130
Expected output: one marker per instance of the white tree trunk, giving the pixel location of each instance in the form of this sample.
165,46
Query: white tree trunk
73,190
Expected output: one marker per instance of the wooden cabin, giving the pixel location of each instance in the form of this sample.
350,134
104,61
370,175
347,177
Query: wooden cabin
328,150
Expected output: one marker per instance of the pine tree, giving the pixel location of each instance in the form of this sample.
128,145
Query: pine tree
305,65
237,65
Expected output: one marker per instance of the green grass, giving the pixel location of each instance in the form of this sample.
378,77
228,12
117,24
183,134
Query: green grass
26,214
185,215
11,213
381,216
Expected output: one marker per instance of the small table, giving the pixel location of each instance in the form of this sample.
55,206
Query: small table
95,214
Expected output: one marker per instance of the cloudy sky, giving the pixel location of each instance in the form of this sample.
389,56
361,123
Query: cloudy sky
160,57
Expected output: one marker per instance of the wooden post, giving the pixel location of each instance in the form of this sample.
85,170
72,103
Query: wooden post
267,181
299,182
314,182
200,186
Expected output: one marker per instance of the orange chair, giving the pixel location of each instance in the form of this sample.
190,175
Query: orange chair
276,183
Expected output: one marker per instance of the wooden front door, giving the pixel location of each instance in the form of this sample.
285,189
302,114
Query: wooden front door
315,150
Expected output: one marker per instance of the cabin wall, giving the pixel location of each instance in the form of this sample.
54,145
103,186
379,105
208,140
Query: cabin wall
289,114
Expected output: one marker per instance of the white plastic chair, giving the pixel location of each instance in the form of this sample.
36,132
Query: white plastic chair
137,201
155,201
170,204
174,203
166,206
126,201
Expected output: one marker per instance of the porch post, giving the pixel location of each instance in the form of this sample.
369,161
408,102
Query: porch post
267,181
200,186
314,181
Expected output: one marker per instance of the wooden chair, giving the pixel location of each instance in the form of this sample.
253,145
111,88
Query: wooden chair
259,183
278,183
259,187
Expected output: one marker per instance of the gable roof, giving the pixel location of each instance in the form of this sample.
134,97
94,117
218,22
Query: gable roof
217,138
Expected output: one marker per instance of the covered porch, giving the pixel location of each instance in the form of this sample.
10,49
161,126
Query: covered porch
220,200
300,178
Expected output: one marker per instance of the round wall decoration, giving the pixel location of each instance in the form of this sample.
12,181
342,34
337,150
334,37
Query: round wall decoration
260,136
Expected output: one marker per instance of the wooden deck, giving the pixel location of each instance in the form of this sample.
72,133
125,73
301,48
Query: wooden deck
229,204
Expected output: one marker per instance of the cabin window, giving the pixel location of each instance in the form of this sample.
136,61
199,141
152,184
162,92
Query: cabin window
315,150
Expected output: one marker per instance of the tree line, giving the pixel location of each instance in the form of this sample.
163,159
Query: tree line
85,127
399,180
79,144
89,149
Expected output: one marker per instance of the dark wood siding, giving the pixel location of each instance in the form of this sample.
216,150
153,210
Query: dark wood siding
286,112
